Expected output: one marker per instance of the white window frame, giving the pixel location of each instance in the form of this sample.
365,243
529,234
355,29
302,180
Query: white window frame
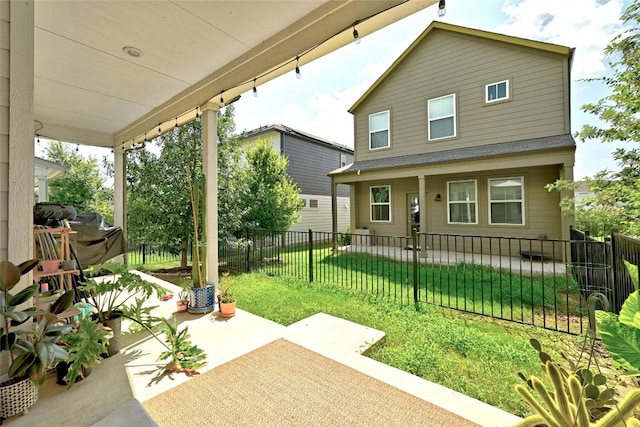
521,200
486,92
388,129
372,203
461,202
429,119
343,160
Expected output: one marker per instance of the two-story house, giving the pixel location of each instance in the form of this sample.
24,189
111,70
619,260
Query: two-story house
460,136
310,158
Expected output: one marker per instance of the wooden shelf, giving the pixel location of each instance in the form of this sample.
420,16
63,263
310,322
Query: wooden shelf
65,280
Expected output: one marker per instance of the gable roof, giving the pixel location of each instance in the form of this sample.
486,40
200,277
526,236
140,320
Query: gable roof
298,133
436,25
526,146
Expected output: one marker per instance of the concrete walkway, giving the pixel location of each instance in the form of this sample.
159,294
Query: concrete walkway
111,395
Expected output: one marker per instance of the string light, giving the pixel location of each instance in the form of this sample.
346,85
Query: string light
38,138
298,74
77,148
441,10
357,40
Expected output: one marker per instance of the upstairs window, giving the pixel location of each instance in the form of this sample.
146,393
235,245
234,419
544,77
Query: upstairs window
343,160
379,130
496,91
442,117
462,204
506,202
380,199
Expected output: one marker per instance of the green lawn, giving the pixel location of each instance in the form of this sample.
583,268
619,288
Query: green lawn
474,355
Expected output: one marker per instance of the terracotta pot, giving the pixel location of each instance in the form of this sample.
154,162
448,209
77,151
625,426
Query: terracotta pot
50,266
227,309
182,305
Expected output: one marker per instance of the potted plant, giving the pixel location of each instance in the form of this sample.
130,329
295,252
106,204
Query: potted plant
201,293
182,304
85,344
32,347
121,295
226,300
184,357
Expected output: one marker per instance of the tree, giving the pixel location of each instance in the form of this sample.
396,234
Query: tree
617,194
83,186
272,201
159,207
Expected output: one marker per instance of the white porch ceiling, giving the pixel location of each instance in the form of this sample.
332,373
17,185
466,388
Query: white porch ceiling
88,91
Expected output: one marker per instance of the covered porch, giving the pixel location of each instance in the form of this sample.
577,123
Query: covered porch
118,73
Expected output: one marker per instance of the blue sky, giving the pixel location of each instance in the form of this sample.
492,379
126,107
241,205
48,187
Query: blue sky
318,102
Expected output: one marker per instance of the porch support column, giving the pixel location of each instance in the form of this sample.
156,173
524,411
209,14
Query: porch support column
334,214
17,163
565,221
210,169
422,205
119,194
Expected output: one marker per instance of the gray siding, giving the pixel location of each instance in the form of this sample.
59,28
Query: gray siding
4,128
446,63
309,164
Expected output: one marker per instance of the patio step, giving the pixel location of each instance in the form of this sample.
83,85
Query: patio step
329,332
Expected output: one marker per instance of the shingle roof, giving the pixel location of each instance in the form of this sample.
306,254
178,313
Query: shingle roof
295,132
472,153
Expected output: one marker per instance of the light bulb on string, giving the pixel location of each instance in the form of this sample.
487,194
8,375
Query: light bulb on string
38,138
298,74
198,113
221,100
356,35
77,148
159,128
255,89
441,10
176,123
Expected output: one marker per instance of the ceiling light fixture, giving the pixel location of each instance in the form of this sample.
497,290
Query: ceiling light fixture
133,52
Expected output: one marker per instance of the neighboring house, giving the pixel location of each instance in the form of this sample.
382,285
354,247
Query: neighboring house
310,160
460,136
44,172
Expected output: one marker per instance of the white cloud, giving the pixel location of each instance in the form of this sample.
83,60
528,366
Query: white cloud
588,26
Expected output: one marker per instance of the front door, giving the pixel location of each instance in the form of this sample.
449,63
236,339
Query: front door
413,213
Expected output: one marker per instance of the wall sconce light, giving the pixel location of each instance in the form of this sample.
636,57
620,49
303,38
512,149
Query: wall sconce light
438,198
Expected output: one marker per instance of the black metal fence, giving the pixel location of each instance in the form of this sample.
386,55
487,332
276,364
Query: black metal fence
539,282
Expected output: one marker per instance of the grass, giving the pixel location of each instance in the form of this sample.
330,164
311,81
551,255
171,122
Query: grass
551,301
474,355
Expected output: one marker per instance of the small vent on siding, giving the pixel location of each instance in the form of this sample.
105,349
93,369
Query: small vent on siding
313,203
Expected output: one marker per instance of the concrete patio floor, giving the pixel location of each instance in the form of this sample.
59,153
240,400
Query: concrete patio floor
111,395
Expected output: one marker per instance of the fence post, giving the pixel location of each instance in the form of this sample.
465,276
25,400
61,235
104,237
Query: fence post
613,304
310,255
414,245
247,257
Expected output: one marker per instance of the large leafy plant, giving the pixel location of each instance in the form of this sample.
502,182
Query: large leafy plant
85,345
620,334
121,293
34,346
